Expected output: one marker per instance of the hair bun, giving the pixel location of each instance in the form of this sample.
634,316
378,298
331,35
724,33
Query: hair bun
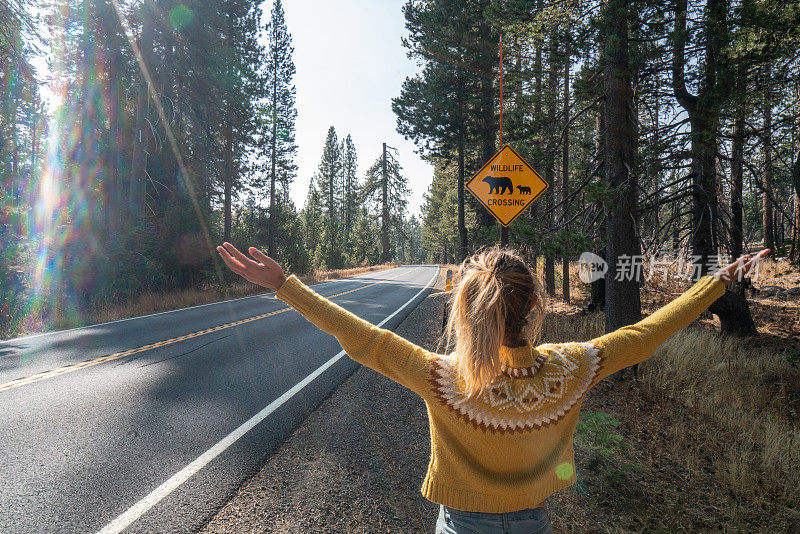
500,265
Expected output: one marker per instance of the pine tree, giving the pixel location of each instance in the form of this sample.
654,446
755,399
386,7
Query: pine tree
623,304
413,230
240,54
450,104
439,233
136,180
350,190
312,221
21,123
277,113
388,188
365,245
328,183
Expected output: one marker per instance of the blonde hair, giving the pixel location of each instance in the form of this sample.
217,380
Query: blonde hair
496,296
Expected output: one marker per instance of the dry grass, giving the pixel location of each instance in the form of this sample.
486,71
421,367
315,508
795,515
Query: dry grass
749,397
571,326
335,274
151,302
156,302
777,272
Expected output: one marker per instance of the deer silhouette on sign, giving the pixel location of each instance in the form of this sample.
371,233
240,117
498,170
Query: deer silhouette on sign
499,184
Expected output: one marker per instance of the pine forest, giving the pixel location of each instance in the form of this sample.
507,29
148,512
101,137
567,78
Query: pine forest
659,125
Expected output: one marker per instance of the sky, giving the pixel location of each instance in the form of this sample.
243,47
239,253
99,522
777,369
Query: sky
350,64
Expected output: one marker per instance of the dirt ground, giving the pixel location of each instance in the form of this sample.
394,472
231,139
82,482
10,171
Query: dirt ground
357,464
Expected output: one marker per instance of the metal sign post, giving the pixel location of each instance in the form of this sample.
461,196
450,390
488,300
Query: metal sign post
447,285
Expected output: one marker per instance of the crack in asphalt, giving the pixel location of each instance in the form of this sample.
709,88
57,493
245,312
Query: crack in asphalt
184,353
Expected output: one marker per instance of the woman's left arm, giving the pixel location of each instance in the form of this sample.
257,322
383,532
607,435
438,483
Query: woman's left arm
380,349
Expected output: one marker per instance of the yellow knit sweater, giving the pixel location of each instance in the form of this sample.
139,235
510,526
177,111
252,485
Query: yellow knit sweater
511,447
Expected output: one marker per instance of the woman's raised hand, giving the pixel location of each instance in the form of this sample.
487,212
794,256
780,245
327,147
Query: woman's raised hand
740,268
264,272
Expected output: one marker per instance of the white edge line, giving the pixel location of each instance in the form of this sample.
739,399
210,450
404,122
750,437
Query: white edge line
137,510
266,295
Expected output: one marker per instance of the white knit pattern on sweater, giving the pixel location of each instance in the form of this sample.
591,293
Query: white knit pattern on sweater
527,401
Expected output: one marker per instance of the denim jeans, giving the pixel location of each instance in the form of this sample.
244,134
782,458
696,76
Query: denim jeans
528,521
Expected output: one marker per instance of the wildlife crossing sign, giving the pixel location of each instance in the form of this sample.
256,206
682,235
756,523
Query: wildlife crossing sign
506,185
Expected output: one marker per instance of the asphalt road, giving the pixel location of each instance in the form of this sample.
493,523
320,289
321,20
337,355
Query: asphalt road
150,424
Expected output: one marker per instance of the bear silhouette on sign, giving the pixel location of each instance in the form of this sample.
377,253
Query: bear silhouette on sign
499,184
524,190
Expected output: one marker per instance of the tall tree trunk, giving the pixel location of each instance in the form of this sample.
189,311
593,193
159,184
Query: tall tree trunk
623,304
766,178
5,116
114,176
703,118
565,173
462,229
385,209
34,141
136,184
273,158
549,170
15,178
537,113
115,135
795,249
348,192
489,124
796,184
737,182
598,301
795,174
703,110
228,178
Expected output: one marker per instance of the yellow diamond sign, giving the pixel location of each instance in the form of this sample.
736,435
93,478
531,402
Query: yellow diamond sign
506,185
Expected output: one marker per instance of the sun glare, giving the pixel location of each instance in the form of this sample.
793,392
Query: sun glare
48,198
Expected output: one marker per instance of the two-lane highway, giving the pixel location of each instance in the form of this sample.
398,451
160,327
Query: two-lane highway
150,424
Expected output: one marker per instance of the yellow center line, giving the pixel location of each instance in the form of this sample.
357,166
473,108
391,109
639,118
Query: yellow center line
117,355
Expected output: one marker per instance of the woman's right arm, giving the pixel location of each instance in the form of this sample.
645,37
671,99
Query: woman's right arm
377,348
382,350
635,343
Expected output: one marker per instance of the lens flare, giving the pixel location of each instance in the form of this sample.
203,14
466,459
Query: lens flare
180,17
564,470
